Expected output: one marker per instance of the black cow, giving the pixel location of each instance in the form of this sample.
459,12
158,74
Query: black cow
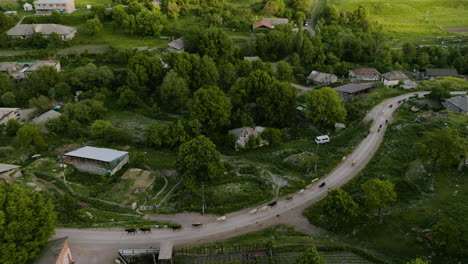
272,204
176,228
145,229
131,230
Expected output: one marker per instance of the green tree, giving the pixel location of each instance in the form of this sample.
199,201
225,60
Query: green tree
273,136
43,103
301,4
86,111
310,256
324,107
448,237
99,128
138,159
55,17
417,261
439,92
93,26
198,160
59,124
378,194
128,98
12,127
157,134
30,138
27,221
8,99
274,7
61,91
42,79
6,82
284,71
174,91
68,209
212,108
6,22
442,147
339,208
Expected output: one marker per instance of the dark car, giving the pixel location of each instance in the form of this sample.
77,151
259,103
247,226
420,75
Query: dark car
322,184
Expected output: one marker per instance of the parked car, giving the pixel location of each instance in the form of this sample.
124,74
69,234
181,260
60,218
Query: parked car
322,139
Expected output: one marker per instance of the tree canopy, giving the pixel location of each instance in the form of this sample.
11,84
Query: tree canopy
378,194
198,160
324,107
310,256
26,223
339,207
212,108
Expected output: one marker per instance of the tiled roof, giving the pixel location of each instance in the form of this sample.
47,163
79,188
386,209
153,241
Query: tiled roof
366,71
262,24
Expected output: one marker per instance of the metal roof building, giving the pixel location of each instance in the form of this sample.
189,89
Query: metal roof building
97,160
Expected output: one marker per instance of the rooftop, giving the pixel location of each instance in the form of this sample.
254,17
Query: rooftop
353,87
6,167
395,75
276,21
460,102
251,58
322,77
52,1
366,71
51,251
177,44
442,72
46,29
46,117
262,24
101,154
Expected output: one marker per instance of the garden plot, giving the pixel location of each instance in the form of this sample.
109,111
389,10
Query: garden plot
132,186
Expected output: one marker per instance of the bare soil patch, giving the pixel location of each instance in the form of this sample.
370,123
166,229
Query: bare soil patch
456,29
142,179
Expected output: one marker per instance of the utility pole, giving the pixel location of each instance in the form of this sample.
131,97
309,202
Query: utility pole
203,198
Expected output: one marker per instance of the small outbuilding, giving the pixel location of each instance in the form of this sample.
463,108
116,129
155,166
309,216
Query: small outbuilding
177,45
457,104
51,114
9,113
321,78
409,84
56,251
27,7
434,73
7,171
254,58
351,90
97,160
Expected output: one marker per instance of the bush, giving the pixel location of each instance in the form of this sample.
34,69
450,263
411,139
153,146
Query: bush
273,136
100,128
12,127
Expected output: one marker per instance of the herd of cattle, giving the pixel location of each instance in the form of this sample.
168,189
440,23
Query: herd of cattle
223,218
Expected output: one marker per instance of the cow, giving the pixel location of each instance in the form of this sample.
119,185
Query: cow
301,191
198,224
145,229
131,230
221,219
253,211
322,184
176,228
272,204
290,197
264,208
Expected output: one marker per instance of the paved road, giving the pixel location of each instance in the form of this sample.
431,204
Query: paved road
98,245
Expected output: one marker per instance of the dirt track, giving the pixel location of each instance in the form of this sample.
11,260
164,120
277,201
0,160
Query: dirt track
99,245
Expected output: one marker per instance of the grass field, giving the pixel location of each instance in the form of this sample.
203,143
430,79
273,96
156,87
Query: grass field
407,18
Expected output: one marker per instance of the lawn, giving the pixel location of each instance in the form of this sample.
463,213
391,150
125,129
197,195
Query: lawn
425,196
93,2
412,18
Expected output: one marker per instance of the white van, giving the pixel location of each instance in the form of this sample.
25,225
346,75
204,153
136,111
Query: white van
322,139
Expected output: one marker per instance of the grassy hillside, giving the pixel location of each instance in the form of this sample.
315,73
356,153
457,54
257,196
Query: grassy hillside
407,18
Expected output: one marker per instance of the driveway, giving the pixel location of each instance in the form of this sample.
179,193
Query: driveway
99,245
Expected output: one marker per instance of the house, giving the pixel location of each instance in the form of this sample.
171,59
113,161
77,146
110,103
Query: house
27,7
409,84
9,67
434,73
364,75
26,30
21,69
243,134
47,6
457,104
9,113
262,24
351,90
393,78
97,160
269,23
177,45
321,78
51,114
7,171
56,251
251,58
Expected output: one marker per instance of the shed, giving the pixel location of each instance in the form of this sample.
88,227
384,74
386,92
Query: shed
27,7
322,78
51,114
97,160
177,45
351,90
457,104
55,252
438,73
364,75
243,135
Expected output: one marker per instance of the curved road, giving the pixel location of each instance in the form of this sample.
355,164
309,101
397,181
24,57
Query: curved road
89,243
